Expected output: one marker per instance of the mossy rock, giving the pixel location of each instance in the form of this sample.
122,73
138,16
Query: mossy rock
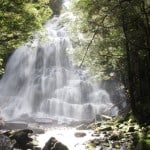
96,142
116,145
5,143
105,128
121,126
80,134
96,134
143,142
98,124
97,130
89,147
106,144
136,127
148,135
131,120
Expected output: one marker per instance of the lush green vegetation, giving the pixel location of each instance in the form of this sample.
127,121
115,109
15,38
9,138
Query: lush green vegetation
18,19
115,42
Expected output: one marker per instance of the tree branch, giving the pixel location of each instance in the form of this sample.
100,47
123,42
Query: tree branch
91,42
88,48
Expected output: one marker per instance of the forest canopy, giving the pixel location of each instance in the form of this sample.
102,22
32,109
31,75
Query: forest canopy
18,19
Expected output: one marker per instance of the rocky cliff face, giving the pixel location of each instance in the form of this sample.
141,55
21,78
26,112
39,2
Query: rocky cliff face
56,6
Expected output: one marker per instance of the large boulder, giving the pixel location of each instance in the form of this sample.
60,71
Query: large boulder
22,138
5,143
53,144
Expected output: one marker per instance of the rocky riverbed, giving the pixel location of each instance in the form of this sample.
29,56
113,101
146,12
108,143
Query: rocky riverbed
119,134
106,134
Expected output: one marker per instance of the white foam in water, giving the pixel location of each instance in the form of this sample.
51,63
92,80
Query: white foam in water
40,81
67,137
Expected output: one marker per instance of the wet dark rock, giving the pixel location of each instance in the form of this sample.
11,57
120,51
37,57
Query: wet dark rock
114,137
130,129
80,134
96,142
115,144
5,143
53,144
96,134
7,132
22,138
106,144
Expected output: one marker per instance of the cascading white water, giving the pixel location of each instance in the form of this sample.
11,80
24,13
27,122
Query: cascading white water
41,82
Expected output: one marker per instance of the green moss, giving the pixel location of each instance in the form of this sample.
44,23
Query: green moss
106,144
142,141
143,145
129,131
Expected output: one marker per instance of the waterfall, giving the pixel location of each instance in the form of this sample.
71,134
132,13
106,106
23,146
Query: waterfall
40,81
